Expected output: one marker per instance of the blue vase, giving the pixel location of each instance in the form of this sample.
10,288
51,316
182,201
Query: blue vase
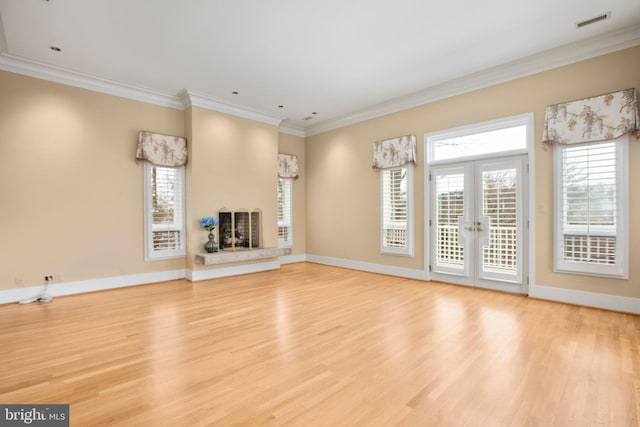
211,245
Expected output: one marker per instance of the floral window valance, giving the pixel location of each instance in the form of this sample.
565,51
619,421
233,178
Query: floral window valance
394,152
161,150
599,118
287,166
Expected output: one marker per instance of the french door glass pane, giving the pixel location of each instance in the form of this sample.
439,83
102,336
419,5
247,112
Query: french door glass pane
449,207
500,205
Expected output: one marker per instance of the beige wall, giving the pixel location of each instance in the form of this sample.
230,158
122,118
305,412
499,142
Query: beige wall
343,192
72,193
289,144
232,164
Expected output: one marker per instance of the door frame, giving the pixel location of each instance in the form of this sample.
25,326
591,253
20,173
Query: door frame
470,275
529,202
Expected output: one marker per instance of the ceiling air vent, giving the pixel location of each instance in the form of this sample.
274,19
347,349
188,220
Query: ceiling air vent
593,20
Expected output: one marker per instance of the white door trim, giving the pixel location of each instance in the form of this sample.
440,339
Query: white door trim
471,272
529,170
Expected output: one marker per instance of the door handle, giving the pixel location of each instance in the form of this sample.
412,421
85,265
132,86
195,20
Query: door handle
472,228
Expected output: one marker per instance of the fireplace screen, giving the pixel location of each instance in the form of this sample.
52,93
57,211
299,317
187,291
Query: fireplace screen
240,229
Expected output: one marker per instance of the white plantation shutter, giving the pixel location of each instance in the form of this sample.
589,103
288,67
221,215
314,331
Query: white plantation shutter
589,203
592,212
285,209
395,211
164,211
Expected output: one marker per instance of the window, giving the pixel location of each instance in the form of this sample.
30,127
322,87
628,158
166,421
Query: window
592,208
396,211
163,212
501,137
285,208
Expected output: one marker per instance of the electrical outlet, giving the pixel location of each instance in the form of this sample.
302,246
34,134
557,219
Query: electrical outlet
18,281
48,279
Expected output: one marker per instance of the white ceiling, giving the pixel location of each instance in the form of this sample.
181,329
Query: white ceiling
334,57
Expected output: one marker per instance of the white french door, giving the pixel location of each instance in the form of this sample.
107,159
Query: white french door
477,220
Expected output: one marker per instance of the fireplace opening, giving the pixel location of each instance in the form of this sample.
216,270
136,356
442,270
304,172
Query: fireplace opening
240,229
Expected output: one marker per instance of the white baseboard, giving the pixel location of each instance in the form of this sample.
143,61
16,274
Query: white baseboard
589,299
91,285
290,259
235,270
101,284
410,273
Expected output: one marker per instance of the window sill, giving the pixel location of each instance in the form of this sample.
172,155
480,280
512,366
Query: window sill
404,253
240,255
163,257
621,273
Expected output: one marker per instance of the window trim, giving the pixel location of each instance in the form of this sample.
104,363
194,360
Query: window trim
289,186
475,128
408,249
619,270
149,253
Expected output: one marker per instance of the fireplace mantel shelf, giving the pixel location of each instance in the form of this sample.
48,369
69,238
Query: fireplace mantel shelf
240,255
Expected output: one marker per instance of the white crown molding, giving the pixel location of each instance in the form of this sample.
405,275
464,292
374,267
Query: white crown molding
91,285
39,70
184,99
192,98
543,61
292,130
540,62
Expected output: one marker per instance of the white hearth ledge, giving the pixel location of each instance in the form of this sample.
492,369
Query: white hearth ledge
240,255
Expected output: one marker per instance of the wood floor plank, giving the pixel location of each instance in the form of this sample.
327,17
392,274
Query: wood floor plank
316,345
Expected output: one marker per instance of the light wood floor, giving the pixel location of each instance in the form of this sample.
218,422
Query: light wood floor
316,345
